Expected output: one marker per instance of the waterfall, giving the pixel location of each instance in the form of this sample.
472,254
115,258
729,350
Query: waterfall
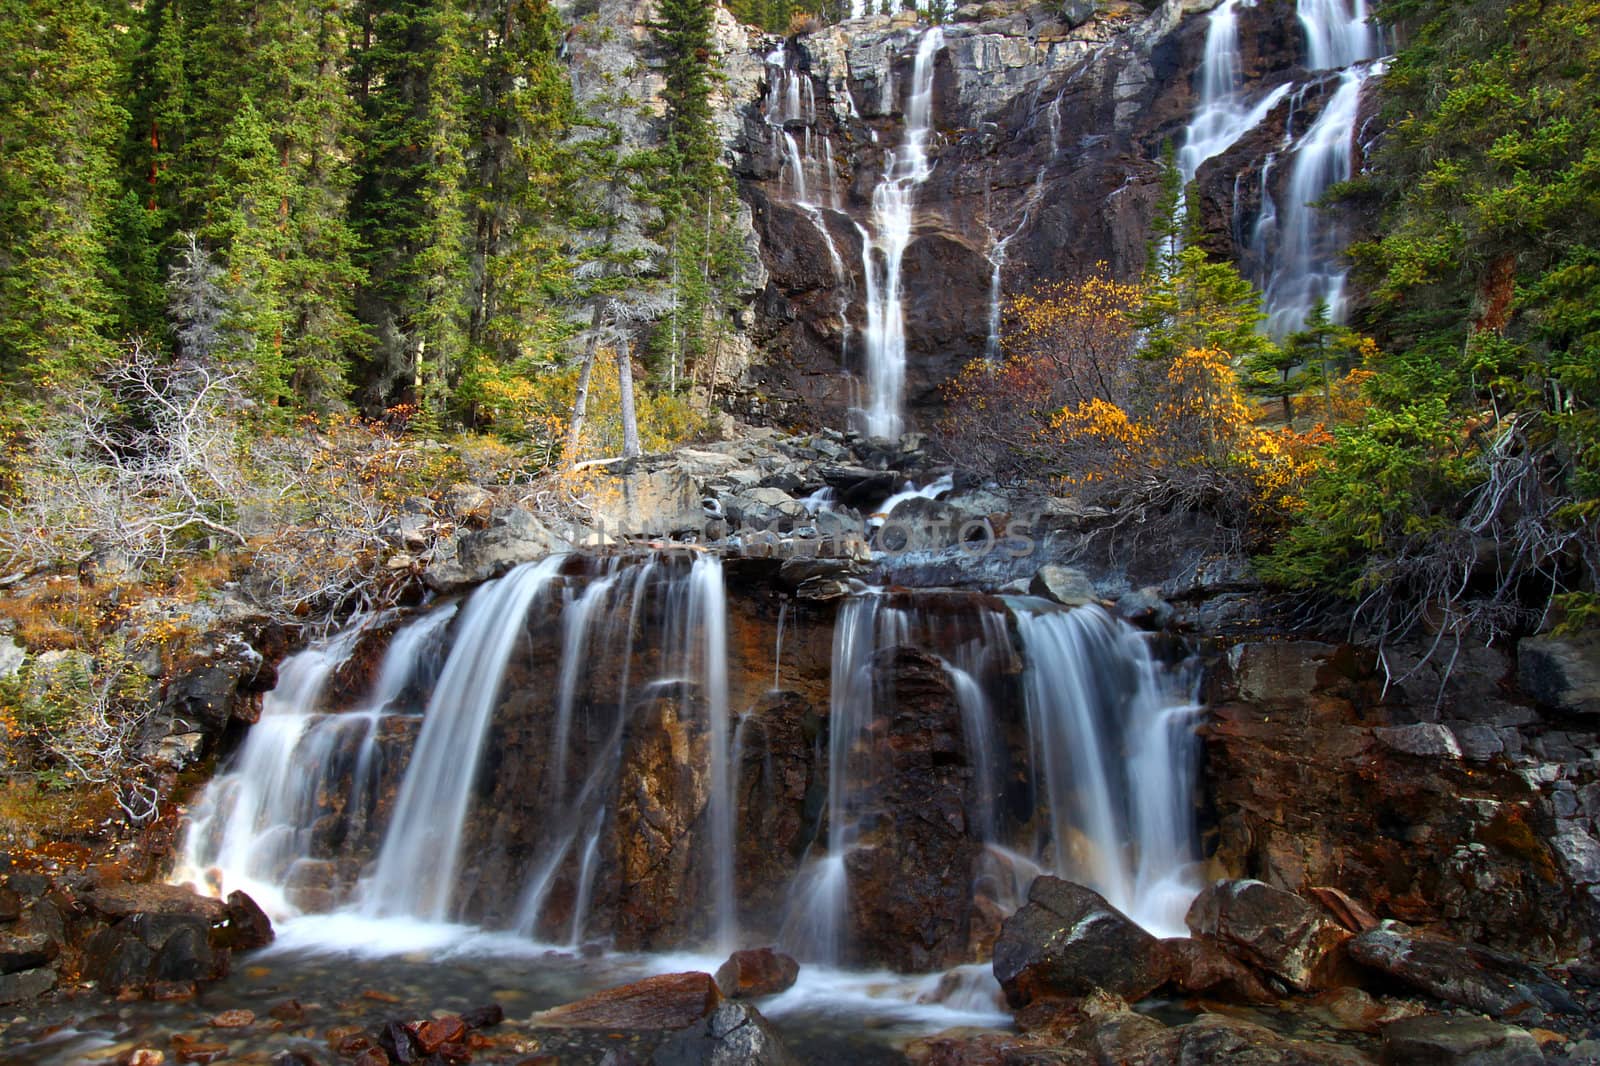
1114,764
1301,252
893,208
416,869
253,825
1109,746
1224,113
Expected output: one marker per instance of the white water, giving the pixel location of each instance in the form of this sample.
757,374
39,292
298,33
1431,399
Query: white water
416,870
1114,764
1225,112
252,826
883,253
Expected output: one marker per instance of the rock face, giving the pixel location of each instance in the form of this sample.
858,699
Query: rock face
1067,942
1561,673
1275,930
1048,121
1493,982
1480,805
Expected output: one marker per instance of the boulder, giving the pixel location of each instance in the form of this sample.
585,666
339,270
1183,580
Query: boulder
733,1034
1439,1041
1202,968
248,925
125,900
518,538
635,498
1067,942
26,985
1561,672
1063,584
1267,927
25,951
756,972
669,1001
1492,982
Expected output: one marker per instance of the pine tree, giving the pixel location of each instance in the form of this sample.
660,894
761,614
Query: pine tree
59,124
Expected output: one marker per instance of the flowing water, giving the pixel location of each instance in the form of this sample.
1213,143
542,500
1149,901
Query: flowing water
883,251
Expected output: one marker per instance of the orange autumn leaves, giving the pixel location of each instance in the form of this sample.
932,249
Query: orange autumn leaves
1073,402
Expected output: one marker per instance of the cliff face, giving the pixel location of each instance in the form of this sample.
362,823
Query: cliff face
1047,130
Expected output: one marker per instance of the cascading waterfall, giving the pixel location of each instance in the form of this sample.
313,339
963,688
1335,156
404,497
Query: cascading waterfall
1225,112
1300,248
1109,742
253,824
883,251
1114,763
416,870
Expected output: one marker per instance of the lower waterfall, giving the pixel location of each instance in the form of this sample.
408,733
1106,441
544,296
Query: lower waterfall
606,756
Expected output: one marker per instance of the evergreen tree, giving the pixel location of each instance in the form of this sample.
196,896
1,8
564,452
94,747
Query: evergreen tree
1193,302
59,124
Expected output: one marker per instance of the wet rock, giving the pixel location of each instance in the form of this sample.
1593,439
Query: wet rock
1561,672
248,925
1346,911
1068,942
1426,739
144,1057
1353,1010
435,1034
1436,1041
200,1053
1493,982
485,1017
10,905
24,951
670,1001
372,1057
182,954
127,899
756,972
1202,968
1063,584
234,1019
1267,927
1214,1038
117,960
25,985
399,1041
734,1034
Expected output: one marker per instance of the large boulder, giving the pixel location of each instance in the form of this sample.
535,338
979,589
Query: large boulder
734,1034
1561,672
518,538
1437,1041
756,972
1493,982
643,498
1267,927
668,1001
1067,942
1202,968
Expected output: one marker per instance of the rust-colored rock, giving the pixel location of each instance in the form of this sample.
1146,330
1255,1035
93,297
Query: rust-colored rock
372,1056
1346,911
203,1054
1268,927
234,1019
756,972
432,1035
1202,968
670,1001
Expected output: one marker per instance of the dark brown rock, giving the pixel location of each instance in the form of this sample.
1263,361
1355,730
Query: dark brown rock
1068,942
1202,968
1270,928
756,972
248,925
24,951
1493,982
1437,1041
670,1001
127,899
26,985
10,905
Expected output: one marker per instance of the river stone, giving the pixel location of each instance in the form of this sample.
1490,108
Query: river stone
25,951
29,984
1068,942
248,925
1484,980
1267,927
668,1001
1561,672
1063,584
1437,1041
734,1034
756,972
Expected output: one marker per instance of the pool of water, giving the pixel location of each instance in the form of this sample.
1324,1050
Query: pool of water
327,974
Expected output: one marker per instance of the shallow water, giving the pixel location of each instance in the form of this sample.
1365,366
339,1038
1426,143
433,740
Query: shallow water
350,971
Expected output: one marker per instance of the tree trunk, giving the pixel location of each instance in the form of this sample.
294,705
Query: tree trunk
630,420
580,402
